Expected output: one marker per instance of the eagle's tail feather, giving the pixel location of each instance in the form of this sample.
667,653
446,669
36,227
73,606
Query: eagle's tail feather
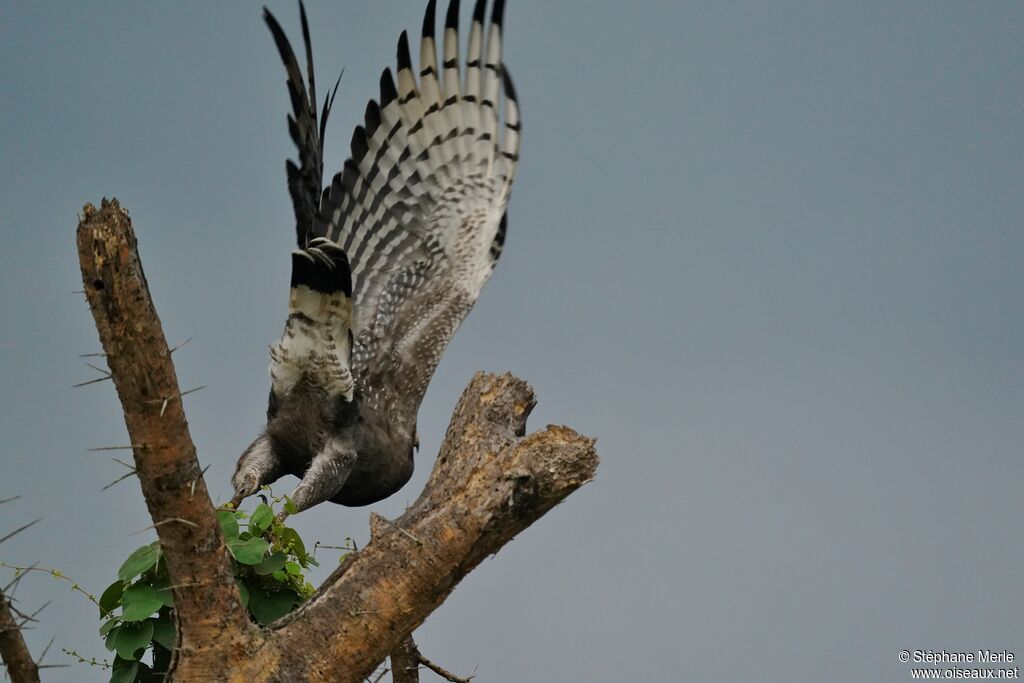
322,267
317,337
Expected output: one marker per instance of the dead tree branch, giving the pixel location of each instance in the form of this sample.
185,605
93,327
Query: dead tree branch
209,609
489,483
443,672
405,662
13,650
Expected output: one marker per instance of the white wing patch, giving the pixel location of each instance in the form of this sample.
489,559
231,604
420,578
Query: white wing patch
315,344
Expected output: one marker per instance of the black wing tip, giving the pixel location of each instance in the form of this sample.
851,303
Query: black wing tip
479,11
349,175
309,52
296,84
451,19
359,144
498,13
328,105
371,118
275,29
404,55
322,267
429,19
388,92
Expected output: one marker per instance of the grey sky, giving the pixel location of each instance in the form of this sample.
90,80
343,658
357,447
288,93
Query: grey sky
770,254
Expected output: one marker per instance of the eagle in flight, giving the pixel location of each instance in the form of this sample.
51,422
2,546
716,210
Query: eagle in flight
391,257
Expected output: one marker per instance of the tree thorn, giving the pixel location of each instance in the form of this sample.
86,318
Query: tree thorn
179,346
119,480
20,529
166,521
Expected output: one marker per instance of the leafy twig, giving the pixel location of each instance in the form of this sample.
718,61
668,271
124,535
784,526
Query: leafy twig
55,573
91,661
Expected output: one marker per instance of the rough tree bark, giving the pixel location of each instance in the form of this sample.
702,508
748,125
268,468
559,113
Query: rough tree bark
489,483
17,659
405,662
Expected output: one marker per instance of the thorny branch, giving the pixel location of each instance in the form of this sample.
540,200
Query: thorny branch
13,650
444,673
17,659
209,609
407,659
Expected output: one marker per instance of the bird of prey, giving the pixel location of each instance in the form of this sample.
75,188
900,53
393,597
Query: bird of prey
391,257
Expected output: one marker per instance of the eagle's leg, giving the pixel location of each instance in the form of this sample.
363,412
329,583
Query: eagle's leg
259,465
326,475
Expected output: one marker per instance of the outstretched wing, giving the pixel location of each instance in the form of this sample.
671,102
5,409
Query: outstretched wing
420,206
304,179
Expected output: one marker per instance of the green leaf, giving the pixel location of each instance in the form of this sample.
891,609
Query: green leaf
163,586
249,551
108,642
267,607
109,624
125,673
261,518
279,575
244,592
228,524
140,601
142,560
163,632
270,564
111,597
290,507
293,568
291,540
133,637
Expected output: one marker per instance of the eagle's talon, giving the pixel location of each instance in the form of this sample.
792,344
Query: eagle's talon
237,499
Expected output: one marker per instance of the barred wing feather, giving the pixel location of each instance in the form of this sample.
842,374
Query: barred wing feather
420,206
